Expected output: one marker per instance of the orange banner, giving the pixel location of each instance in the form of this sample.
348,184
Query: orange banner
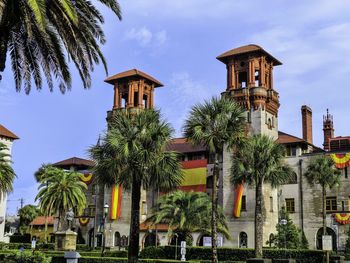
341,160
238,201
116,202
83,221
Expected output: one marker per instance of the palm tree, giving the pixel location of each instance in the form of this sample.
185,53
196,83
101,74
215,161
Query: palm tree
185,213
26,215
7,174
64,191
259,160
215,124
39,34
321,170
132,154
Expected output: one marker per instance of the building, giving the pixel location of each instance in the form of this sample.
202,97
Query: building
6,137
250,83
37,228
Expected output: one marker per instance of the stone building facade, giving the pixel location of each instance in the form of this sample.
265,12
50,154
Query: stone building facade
250,83
6,137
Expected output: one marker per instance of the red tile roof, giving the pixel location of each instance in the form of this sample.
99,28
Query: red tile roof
133,73
75,161
183,146
246,49
40,220
7,133
284,138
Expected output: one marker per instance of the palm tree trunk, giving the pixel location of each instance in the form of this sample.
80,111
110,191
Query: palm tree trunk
46,218
214,199
258,221
324,210
133,250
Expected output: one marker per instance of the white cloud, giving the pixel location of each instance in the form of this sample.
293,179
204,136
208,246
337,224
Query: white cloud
145,37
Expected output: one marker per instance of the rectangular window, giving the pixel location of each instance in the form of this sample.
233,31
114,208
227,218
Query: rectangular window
346,172
343,206
256,78
271,204
242,79
244,203
331,204
290,205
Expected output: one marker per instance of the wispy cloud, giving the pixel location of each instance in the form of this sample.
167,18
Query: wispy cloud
145,37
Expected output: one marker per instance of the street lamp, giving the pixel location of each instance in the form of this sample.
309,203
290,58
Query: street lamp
105,213
284,222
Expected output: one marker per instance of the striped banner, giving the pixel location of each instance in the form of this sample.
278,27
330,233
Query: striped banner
116,203
195,175
238,201
341,160
86,178
342,218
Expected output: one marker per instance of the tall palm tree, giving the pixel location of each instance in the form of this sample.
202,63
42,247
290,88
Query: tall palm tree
39,34
7,174
259,160
64,191
215,124
321,170
133,154
187,212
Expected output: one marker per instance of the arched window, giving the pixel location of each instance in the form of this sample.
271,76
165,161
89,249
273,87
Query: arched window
117,239
243,240
271,238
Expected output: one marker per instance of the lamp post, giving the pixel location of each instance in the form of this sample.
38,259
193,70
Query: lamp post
284,222
105,213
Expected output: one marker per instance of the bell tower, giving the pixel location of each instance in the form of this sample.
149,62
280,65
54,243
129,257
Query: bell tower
250,83
133,89
328,130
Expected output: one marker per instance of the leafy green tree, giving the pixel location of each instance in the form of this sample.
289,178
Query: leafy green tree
321,171
256,162
288,235
304,242
26,215
7,174
39,36
64,191
133,154
185,213
217,124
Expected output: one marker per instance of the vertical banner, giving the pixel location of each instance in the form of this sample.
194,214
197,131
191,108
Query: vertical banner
238,201
116,202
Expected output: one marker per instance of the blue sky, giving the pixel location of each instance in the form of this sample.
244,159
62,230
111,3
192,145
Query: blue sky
177,42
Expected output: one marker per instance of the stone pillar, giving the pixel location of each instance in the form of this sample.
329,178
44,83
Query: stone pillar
251,73
129,95
140,94
262,73
271,76
116,97
231,76
151,97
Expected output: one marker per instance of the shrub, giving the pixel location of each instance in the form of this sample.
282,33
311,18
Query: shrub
27,257
153,252
16,238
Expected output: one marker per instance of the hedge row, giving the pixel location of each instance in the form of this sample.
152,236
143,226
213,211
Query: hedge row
118,254
39,246
234,254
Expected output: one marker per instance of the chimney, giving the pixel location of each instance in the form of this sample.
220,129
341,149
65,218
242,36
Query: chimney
328,130
306,114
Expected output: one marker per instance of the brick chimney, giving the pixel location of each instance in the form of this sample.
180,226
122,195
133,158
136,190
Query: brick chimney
328,130
306,114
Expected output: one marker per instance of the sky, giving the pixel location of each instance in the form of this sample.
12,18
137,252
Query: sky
177,43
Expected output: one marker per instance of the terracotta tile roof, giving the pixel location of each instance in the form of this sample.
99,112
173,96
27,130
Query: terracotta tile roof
7,133
284,138
246,49
75,161
145,226
183,146
133,73
40,220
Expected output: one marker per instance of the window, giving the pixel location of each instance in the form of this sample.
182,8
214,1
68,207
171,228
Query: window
290,205
244,203
145,101
243,240
256,75
343,206
346,172
242,79
291,150
271,204
136,98
331,204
